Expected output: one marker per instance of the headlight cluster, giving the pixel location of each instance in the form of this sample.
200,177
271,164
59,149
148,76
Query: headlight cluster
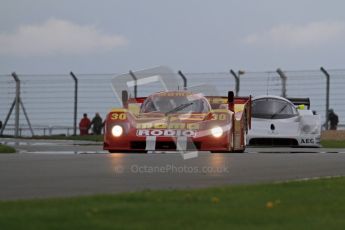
308,129
117,130
217,131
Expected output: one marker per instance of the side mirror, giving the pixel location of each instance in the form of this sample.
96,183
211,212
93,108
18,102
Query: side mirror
124,97
231,100
230,97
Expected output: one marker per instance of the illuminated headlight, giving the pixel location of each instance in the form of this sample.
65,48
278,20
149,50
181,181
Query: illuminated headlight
217,131
117,131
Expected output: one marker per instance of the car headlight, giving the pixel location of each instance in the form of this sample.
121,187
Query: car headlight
117,130
306,128
316,130
217,131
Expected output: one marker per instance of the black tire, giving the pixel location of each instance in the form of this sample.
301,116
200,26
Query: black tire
238,151
127,151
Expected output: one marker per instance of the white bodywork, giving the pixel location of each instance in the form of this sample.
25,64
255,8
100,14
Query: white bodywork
302,129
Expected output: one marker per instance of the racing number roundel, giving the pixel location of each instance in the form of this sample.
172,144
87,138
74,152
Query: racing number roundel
221,117
118,116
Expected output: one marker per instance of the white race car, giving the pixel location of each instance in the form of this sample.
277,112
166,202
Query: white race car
277,121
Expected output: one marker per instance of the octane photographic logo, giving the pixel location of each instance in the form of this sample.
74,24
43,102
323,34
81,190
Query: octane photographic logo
147,82
171,169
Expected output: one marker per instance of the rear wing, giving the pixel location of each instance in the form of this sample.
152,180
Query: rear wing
300,101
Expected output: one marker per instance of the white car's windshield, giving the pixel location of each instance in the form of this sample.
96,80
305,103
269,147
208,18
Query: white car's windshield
272,108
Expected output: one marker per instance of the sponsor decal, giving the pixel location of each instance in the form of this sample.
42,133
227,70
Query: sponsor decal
174,94
165,133
163,125
308,141
194,97
190,117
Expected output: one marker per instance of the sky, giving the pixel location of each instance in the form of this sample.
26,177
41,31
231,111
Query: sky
110,36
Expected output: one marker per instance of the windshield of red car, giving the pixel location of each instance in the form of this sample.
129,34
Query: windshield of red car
165,104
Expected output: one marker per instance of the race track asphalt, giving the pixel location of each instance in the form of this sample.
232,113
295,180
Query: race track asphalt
69,168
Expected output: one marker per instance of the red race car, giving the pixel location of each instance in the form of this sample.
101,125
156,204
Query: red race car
178,121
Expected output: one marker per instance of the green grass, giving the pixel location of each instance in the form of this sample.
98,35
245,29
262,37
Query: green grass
6,149
332,144
317,204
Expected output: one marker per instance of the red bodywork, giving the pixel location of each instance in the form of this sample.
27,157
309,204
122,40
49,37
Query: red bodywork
233,118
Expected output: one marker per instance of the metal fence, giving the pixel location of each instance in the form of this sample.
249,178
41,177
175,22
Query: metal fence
54,104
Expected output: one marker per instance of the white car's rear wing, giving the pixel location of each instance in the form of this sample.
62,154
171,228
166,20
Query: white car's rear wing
300,101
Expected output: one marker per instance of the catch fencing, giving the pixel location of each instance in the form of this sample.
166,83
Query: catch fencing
51,104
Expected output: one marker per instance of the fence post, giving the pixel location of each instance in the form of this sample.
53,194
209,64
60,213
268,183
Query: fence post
184,79
283,78
324,71
237,81
135,83
75,103
17,104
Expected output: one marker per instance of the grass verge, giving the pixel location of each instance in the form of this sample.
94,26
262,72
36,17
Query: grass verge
333,144
316,204
6,149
